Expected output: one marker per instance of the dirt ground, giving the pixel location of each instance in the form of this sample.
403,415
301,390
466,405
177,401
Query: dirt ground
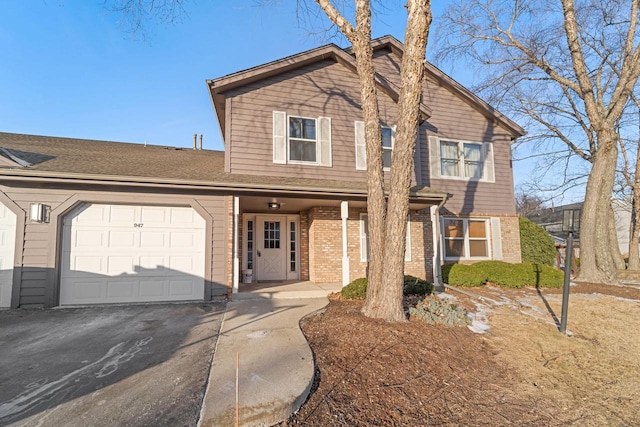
515,369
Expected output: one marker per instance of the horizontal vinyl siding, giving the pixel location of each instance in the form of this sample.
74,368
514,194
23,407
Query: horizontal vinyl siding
37,267
321,89
456,119
218,208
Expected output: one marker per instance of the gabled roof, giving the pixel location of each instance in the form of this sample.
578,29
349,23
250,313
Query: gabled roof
219,86
72,160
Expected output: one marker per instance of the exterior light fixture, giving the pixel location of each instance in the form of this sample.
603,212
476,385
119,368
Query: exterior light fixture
38,212
571,220
273,206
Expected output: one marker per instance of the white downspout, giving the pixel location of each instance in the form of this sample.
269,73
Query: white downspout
344,214
437,260
235,239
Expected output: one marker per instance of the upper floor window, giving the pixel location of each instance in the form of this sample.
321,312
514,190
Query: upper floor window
461,159
302,139
298,139
388,137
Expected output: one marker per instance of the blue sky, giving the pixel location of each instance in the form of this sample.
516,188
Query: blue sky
71,68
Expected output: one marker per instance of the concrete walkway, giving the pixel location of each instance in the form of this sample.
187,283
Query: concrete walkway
275,363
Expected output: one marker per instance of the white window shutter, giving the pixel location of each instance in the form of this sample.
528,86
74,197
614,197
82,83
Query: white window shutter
279,137
496,238
407,249
434,156
488,170
324,141
364,238
361,149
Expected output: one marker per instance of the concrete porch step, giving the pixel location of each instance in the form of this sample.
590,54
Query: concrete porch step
285,290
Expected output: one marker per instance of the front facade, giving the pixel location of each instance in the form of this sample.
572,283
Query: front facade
87,222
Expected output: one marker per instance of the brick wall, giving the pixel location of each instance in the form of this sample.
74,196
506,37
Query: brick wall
510,233
325,245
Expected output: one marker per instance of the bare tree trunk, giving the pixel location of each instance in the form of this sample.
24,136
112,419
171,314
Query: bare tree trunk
614,246
634,226
386,301
597,263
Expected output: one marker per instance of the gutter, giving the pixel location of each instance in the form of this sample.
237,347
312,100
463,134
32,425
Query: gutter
61,177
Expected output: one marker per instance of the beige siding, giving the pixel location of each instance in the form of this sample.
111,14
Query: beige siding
455,118
38,267
322,89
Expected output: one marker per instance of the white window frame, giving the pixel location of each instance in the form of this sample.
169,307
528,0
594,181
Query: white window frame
364,239
461,159
486,153
465,238
393,143
289,138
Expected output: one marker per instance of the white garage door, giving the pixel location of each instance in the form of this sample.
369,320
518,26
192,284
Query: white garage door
7,248
117,254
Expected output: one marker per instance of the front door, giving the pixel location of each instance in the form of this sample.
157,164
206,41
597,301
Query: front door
271,248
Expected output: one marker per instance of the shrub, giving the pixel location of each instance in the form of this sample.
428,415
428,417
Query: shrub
465,275
434,310
416,286
535,244
504,274
445,269
547,277
356,289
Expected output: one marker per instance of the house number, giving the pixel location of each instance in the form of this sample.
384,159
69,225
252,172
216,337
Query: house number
137,225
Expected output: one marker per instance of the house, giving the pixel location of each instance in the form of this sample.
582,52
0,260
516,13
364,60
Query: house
88,222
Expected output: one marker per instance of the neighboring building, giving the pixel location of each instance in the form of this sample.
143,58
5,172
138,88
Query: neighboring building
551,220
88,222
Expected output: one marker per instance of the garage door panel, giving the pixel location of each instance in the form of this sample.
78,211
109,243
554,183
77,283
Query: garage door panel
122,215
133,254
153,240
88,264
121,289
89,239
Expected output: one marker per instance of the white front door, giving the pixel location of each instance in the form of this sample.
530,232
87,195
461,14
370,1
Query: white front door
271,248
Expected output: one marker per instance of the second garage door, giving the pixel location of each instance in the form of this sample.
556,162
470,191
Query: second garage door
122,254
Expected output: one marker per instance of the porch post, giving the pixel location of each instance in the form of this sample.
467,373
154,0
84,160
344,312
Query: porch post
236,261
435,234
344,214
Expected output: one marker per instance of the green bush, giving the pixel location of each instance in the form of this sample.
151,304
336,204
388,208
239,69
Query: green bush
465,275
445,269
412,286
415,286
356,289
504,274
535,243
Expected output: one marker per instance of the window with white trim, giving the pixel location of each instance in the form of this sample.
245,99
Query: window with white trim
388,141
301,140
466,160
364,239
465,238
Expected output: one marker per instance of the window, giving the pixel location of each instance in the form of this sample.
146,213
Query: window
461,159
465,238
302,139
305,140
272,235
249,244
387,146
364,239
388,136
292,246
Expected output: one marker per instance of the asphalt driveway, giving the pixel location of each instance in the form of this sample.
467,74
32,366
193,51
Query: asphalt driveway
106,366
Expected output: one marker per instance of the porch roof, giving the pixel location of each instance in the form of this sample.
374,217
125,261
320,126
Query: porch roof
70,160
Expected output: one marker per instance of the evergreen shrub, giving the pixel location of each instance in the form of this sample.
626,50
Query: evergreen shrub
536,245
